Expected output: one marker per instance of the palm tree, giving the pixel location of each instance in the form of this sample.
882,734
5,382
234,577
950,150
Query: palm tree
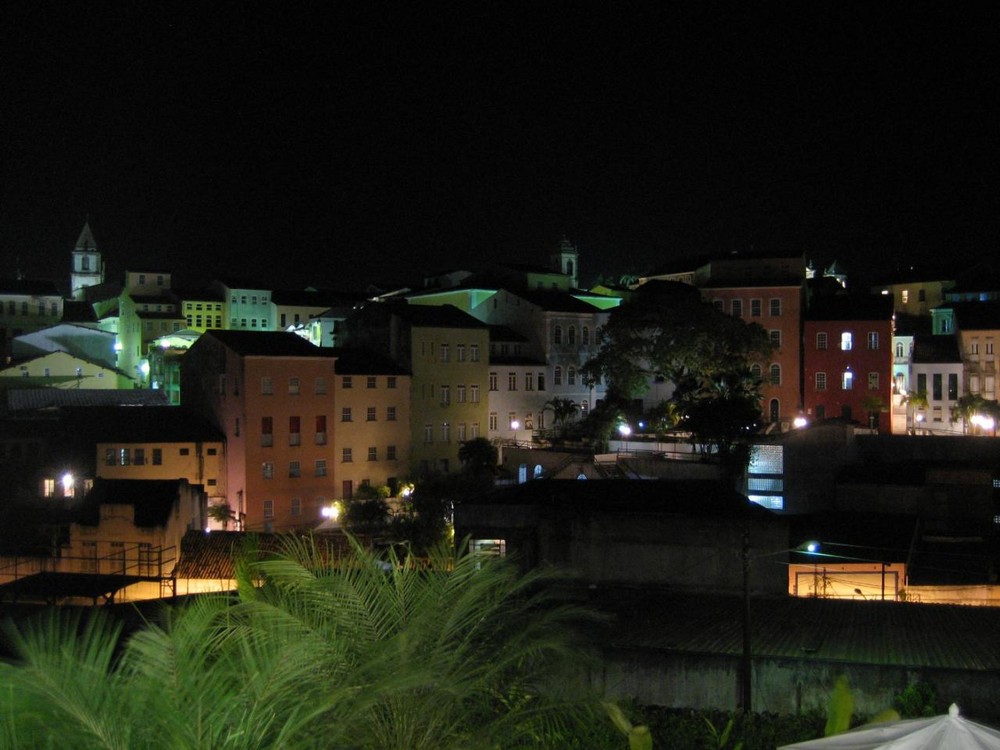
563,409
318,651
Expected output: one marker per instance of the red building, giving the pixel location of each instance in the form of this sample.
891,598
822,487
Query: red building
847,360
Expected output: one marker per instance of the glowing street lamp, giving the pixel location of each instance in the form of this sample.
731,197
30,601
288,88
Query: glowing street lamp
67,483
624,430
515,426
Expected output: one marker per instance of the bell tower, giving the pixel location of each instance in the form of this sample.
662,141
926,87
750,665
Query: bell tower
566,260
88,267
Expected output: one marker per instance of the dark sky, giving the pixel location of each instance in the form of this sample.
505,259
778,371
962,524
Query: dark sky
344,143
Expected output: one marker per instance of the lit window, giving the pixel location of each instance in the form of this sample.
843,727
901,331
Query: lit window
846,341
847,380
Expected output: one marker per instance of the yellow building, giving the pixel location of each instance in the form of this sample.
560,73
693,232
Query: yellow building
64,370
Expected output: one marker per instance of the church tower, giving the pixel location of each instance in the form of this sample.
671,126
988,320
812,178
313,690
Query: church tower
88,268
566,260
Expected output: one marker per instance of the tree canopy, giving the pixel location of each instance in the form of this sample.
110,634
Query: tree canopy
667,330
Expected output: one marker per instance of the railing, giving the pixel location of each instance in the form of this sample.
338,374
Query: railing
132,560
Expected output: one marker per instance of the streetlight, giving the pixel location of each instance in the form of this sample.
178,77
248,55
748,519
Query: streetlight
515,426
624,430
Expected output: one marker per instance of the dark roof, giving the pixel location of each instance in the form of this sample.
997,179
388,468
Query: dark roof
810,630
505,333
776,280
876,307
126,424
314,298
434,316
78,311
267,344
29,287
363,362
935,350
153,500
684,497
554,300
211,555
976,316
49,398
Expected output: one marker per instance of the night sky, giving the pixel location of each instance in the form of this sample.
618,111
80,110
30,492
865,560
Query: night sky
348,143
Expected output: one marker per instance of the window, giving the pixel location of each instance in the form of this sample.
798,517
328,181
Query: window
847,380
321,429
775,306
347,382
460,351
294,469
370,414
371,381
460,394
529,382
571,334
267,431
445,395
494,421
345,414
390,413
873,339
905,296
511,418
321,467
372,453
109,457
585,336
974,347
921,295
428,434
460,434
320,386
445,353
557,335
936,380
474,394
293,386
719,305
269,509
474,352
989,347
820,381
157,457
390,382
346,455
557,376
267,470
570,376
294,431
266,386
511,381
775,337
474,430
445,432
296,506
873,381
755,306
124,457
390,453
737,308
493,381
846,341
756,372
775,374
899,350
922,382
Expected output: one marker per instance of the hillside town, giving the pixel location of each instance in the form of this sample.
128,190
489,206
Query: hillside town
146,425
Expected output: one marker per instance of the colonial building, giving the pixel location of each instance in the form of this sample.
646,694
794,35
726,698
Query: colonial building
88,265
848,360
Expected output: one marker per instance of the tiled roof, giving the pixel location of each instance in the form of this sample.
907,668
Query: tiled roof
267,344
48,398
211,555
123,424
935,350
556,301
28,287
827,630
363,362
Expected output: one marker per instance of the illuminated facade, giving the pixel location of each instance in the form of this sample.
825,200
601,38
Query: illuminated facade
88,265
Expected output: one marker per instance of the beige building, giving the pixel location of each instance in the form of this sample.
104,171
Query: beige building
64,370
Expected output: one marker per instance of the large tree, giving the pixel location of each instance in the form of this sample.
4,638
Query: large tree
666,330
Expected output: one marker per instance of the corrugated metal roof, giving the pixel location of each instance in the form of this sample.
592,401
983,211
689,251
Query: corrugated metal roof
52,398
861,632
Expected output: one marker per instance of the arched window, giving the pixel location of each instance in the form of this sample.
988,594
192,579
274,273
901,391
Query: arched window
538,471
586,336
571,376
557,376
775,374
755,372
571,334
557,335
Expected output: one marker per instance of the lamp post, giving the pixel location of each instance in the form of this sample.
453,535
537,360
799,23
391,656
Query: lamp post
515,426
624,430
